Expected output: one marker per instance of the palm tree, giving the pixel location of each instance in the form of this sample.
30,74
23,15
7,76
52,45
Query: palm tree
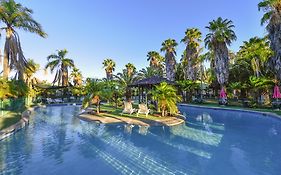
124,80
109,66
167,98
221,35
169,47
257,51
15,16
192,40
155,59
131,69
149,72
272,18
94,90
61,64
76,76
29,71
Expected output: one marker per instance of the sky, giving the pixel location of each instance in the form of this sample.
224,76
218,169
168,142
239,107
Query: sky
125,30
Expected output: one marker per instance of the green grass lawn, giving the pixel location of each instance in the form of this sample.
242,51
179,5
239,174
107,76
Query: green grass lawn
236,105
9,119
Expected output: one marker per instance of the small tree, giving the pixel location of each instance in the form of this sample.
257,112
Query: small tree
167,98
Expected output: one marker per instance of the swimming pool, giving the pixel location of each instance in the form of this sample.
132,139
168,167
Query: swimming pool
212,142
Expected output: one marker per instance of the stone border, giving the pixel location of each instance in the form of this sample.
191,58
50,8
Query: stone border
268,114
24,121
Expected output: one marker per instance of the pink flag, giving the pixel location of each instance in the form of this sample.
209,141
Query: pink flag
276,92
222,93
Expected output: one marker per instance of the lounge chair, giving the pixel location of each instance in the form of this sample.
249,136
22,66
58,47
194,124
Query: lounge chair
128,108
143,110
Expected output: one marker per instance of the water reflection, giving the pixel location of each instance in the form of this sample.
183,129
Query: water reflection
210,143
21,150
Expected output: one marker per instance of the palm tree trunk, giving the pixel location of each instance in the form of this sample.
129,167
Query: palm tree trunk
64,76
222,63
6,67
170,66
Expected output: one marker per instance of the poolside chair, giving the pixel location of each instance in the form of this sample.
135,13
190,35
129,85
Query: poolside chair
143,110
128,108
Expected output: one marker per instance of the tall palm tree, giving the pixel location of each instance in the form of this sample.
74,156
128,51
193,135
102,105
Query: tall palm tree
272,18
221,35
131,69
109,66
169,47
76,76
15,16
155,59
192,40
61,63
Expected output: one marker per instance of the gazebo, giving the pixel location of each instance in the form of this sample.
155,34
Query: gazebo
147,84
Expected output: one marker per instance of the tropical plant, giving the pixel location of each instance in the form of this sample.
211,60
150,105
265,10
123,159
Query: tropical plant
169,47
4,88
260,85
29,71
149,72
18,88
167,98
192,40
61,64
187,87
109,66
124,80
272,17
221,35
94,91
15,16
76,76
131,69
256,51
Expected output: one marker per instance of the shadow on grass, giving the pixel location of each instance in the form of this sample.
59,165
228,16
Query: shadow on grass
9,120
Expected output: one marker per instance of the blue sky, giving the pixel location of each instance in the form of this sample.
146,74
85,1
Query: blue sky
125,30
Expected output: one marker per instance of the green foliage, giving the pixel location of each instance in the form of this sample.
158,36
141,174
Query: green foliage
221,31
188,85
167,98
155,59
270,7
61,64
124,80
256,53
131,69
4,88
109,66
76,76
149,72
192,38
12,89
15,16
260,83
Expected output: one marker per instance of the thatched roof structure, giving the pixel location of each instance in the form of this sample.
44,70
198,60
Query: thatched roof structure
151,81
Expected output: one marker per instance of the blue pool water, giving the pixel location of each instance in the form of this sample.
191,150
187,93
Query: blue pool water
212,142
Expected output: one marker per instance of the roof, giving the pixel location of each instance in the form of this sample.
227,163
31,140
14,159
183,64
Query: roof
155,80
